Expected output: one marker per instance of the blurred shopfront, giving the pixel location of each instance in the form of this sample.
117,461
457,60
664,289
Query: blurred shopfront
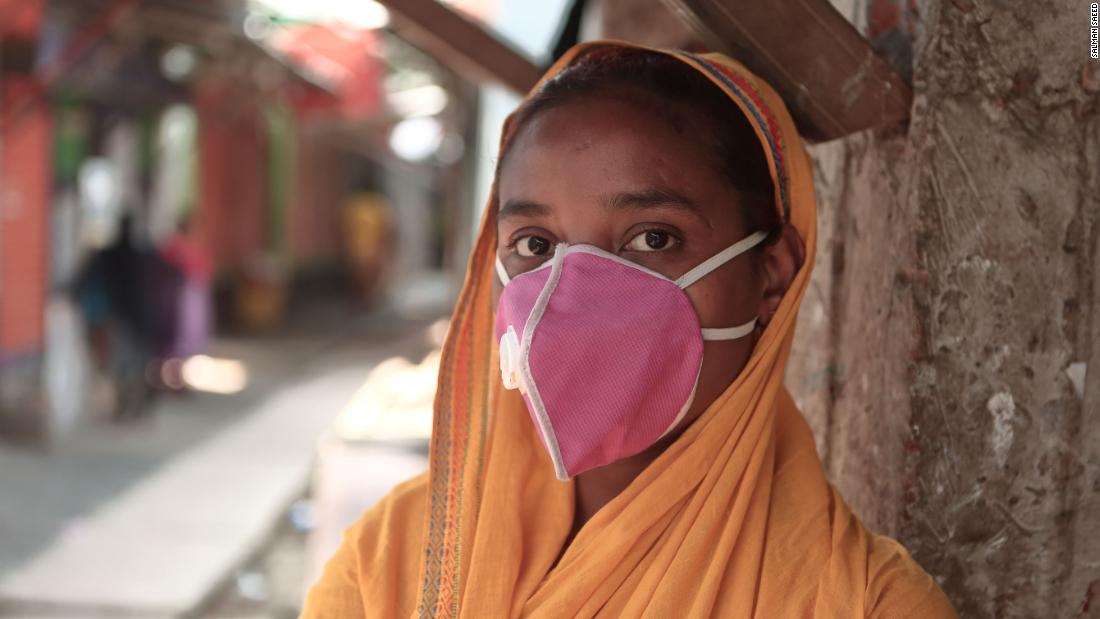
301,151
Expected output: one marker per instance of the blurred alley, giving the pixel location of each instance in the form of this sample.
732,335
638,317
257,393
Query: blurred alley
162,517
230,234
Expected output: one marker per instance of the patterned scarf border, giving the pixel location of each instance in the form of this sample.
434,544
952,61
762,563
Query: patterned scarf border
752,100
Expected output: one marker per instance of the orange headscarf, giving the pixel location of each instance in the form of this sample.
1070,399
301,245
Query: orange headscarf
734,519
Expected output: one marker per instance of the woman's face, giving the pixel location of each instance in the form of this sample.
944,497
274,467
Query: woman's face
633,182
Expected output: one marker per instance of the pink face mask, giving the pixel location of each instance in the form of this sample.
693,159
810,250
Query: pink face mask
606,352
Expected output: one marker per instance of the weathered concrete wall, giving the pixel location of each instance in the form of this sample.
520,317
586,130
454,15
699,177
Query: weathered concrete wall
944,356
948,353
1009,201
851,364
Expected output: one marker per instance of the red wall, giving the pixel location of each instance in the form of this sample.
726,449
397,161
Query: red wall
25,178
313,219
232,156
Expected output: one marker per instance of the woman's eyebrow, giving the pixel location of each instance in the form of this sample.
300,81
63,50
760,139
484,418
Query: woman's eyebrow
516,208
655,196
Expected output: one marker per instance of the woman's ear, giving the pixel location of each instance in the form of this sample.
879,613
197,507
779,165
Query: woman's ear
781,258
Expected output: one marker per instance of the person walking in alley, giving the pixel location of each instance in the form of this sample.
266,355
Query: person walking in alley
191,320
113,290
612,436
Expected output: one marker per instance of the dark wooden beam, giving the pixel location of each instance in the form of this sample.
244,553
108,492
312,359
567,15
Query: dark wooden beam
831,79
462,44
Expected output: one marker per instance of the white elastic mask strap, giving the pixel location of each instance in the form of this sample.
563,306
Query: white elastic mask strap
502,273
730,333
705,267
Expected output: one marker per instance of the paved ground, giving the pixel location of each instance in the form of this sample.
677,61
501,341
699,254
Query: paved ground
349,478
153,519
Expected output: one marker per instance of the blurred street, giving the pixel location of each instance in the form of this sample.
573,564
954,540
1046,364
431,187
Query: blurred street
230,234
155,518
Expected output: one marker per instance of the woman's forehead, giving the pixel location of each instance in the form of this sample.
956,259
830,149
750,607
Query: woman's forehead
606,138
586,166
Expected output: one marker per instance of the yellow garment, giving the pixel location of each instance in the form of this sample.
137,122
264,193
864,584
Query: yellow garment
734,519
366,219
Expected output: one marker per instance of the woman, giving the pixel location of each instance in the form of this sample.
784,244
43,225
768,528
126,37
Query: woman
612,436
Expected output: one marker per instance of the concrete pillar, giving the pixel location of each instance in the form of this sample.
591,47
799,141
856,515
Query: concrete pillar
944,355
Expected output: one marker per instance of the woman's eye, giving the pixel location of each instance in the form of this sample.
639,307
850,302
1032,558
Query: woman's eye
530,246
651,240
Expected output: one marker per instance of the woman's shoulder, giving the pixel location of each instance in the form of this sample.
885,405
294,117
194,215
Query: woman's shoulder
377,565
898,587
397,515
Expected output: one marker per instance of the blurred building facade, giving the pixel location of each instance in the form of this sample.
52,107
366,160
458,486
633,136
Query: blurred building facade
281,137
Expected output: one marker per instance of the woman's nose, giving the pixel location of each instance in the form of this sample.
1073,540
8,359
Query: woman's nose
601,240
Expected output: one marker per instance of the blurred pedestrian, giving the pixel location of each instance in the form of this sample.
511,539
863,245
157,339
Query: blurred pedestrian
113,292
368,228
193,316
